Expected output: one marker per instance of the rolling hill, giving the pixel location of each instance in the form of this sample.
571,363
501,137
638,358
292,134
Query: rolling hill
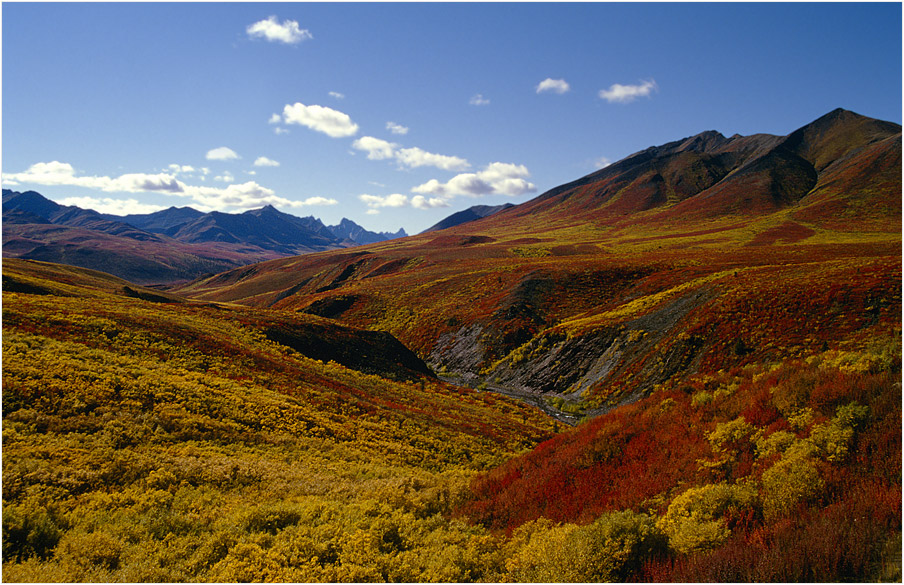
718,318
596,291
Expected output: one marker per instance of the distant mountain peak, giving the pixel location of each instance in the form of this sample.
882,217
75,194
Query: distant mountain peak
349,230
468,215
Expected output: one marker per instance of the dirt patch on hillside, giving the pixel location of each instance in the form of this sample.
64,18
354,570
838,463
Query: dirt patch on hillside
789,233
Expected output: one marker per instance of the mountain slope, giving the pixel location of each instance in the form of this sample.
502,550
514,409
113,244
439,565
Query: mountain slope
727,346
167,441
265,228
470,214
593,293
166,221
709,176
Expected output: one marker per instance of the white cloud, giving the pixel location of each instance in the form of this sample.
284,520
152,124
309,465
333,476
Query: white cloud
58,173
331,122
375,201
479,100
624,94
287,32
376,148
396,128
222,153
263,161
176,169
559,86
496,179
247,195
110,205
602,162
316,201
421,202
280,131
415,157
274,119
225,177
337,95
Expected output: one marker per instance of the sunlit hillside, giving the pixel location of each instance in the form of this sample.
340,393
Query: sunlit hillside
714,325
175,441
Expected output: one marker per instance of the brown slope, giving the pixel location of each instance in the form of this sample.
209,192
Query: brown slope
149,261
709,176
591,285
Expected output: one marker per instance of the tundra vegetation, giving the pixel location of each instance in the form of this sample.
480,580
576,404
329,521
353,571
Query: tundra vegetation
175,441
735,374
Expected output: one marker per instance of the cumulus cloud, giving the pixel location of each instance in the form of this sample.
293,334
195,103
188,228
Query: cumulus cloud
559,86
479,100
247,195
624,94
274,119
396,128
378,149
225,177
376,201
421,202
176,169
331,122
415,157
337,95
263,161
375,148
222,153
58,173
496,179
279,130
287,32
110,205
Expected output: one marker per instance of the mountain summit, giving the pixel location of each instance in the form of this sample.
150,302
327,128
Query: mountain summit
708,176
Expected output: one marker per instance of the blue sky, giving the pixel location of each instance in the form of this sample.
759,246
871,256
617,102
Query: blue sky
397,115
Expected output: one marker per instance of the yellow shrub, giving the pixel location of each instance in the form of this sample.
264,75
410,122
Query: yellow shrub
606,550
694,520
793,479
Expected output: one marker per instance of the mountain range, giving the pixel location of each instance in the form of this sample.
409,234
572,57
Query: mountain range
175,243
551,276
684,367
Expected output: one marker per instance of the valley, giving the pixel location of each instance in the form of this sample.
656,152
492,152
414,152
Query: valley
685,366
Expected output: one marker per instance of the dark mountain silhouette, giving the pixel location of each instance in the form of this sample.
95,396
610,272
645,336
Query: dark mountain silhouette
349,230
167,221
20,207
266,228
468,215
